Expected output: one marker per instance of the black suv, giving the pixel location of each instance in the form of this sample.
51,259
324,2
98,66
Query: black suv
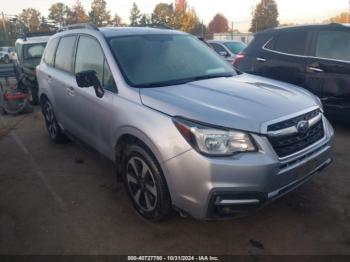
316,57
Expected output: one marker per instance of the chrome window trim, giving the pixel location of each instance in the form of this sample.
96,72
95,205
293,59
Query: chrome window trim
301,56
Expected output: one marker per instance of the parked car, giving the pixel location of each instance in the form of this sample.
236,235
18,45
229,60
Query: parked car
7,54
204,41
228,49
316,57
185,131
29,51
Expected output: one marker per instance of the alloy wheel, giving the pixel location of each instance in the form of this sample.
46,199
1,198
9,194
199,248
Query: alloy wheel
50,120
141,184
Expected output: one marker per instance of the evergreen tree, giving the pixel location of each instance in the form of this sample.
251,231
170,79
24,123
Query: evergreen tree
117,20
265,16
99,14
59,13
163,14
144,20
77,14
135,15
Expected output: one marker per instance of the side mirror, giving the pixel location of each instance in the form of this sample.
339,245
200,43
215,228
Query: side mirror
88,78
223,53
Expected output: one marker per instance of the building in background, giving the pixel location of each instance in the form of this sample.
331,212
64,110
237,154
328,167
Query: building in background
243,37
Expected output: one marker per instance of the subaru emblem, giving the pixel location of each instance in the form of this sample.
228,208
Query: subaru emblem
303,126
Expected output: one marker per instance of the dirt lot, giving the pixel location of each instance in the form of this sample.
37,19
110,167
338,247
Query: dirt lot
61,199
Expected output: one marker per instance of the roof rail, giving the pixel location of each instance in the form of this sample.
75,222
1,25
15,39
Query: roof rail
34,34
159,26
78,26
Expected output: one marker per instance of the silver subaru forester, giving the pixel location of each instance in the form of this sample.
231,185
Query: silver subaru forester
185,130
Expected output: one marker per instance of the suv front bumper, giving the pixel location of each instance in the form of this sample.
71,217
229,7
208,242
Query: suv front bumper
208,187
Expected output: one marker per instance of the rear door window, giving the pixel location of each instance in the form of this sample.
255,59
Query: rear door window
290,43
333,45
49,54
217,47
64,54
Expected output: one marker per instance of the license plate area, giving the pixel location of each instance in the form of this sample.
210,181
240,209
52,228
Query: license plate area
304,169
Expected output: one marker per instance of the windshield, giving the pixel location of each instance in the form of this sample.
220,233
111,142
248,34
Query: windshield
33,51
160,60
235,47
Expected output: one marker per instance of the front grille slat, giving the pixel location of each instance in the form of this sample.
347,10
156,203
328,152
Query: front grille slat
294,121
289,144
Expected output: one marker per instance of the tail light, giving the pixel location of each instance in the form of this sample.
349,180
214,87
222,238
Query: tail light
238,58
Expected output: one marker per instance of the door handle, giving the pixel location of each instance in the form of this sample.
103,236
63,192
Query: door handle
261,59
49,78
70,90
315,69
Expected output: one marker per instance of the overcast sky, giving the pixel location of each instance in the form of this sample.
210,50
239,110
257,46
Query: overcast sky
238,11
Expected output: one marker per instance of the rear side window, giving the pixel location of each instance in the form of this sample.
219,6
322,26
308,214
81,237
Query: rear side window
50,49
218,48
64,53
333,45
289,43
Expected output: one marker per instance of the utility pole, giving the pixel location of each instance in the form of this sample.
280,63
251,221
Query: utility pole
4,25
232,29
203,29
349,13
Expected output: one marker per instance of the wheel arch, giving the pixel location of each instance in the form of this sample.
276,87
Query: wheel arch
43,97
130,135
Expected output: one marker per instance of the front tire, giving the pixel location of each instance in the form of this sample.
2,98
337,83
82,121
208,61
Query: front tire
55,132
145,184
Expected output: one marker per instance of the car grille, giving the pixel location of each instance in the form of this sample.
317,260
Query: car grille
288,144
293,121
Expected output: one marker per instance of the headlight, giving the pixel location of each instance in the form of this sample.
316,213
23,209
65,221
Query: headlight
214,141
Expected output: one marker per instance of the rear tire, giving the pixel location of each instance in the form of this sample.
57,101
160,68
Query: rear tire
35,96
145,184
55,132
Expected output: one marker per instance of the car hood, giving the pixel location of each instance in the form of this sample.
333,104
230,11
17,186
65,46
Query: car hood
241,102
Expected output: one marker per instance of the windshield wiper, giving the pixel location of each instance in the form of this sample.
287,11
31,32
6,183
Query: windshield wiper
182,81
210,76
